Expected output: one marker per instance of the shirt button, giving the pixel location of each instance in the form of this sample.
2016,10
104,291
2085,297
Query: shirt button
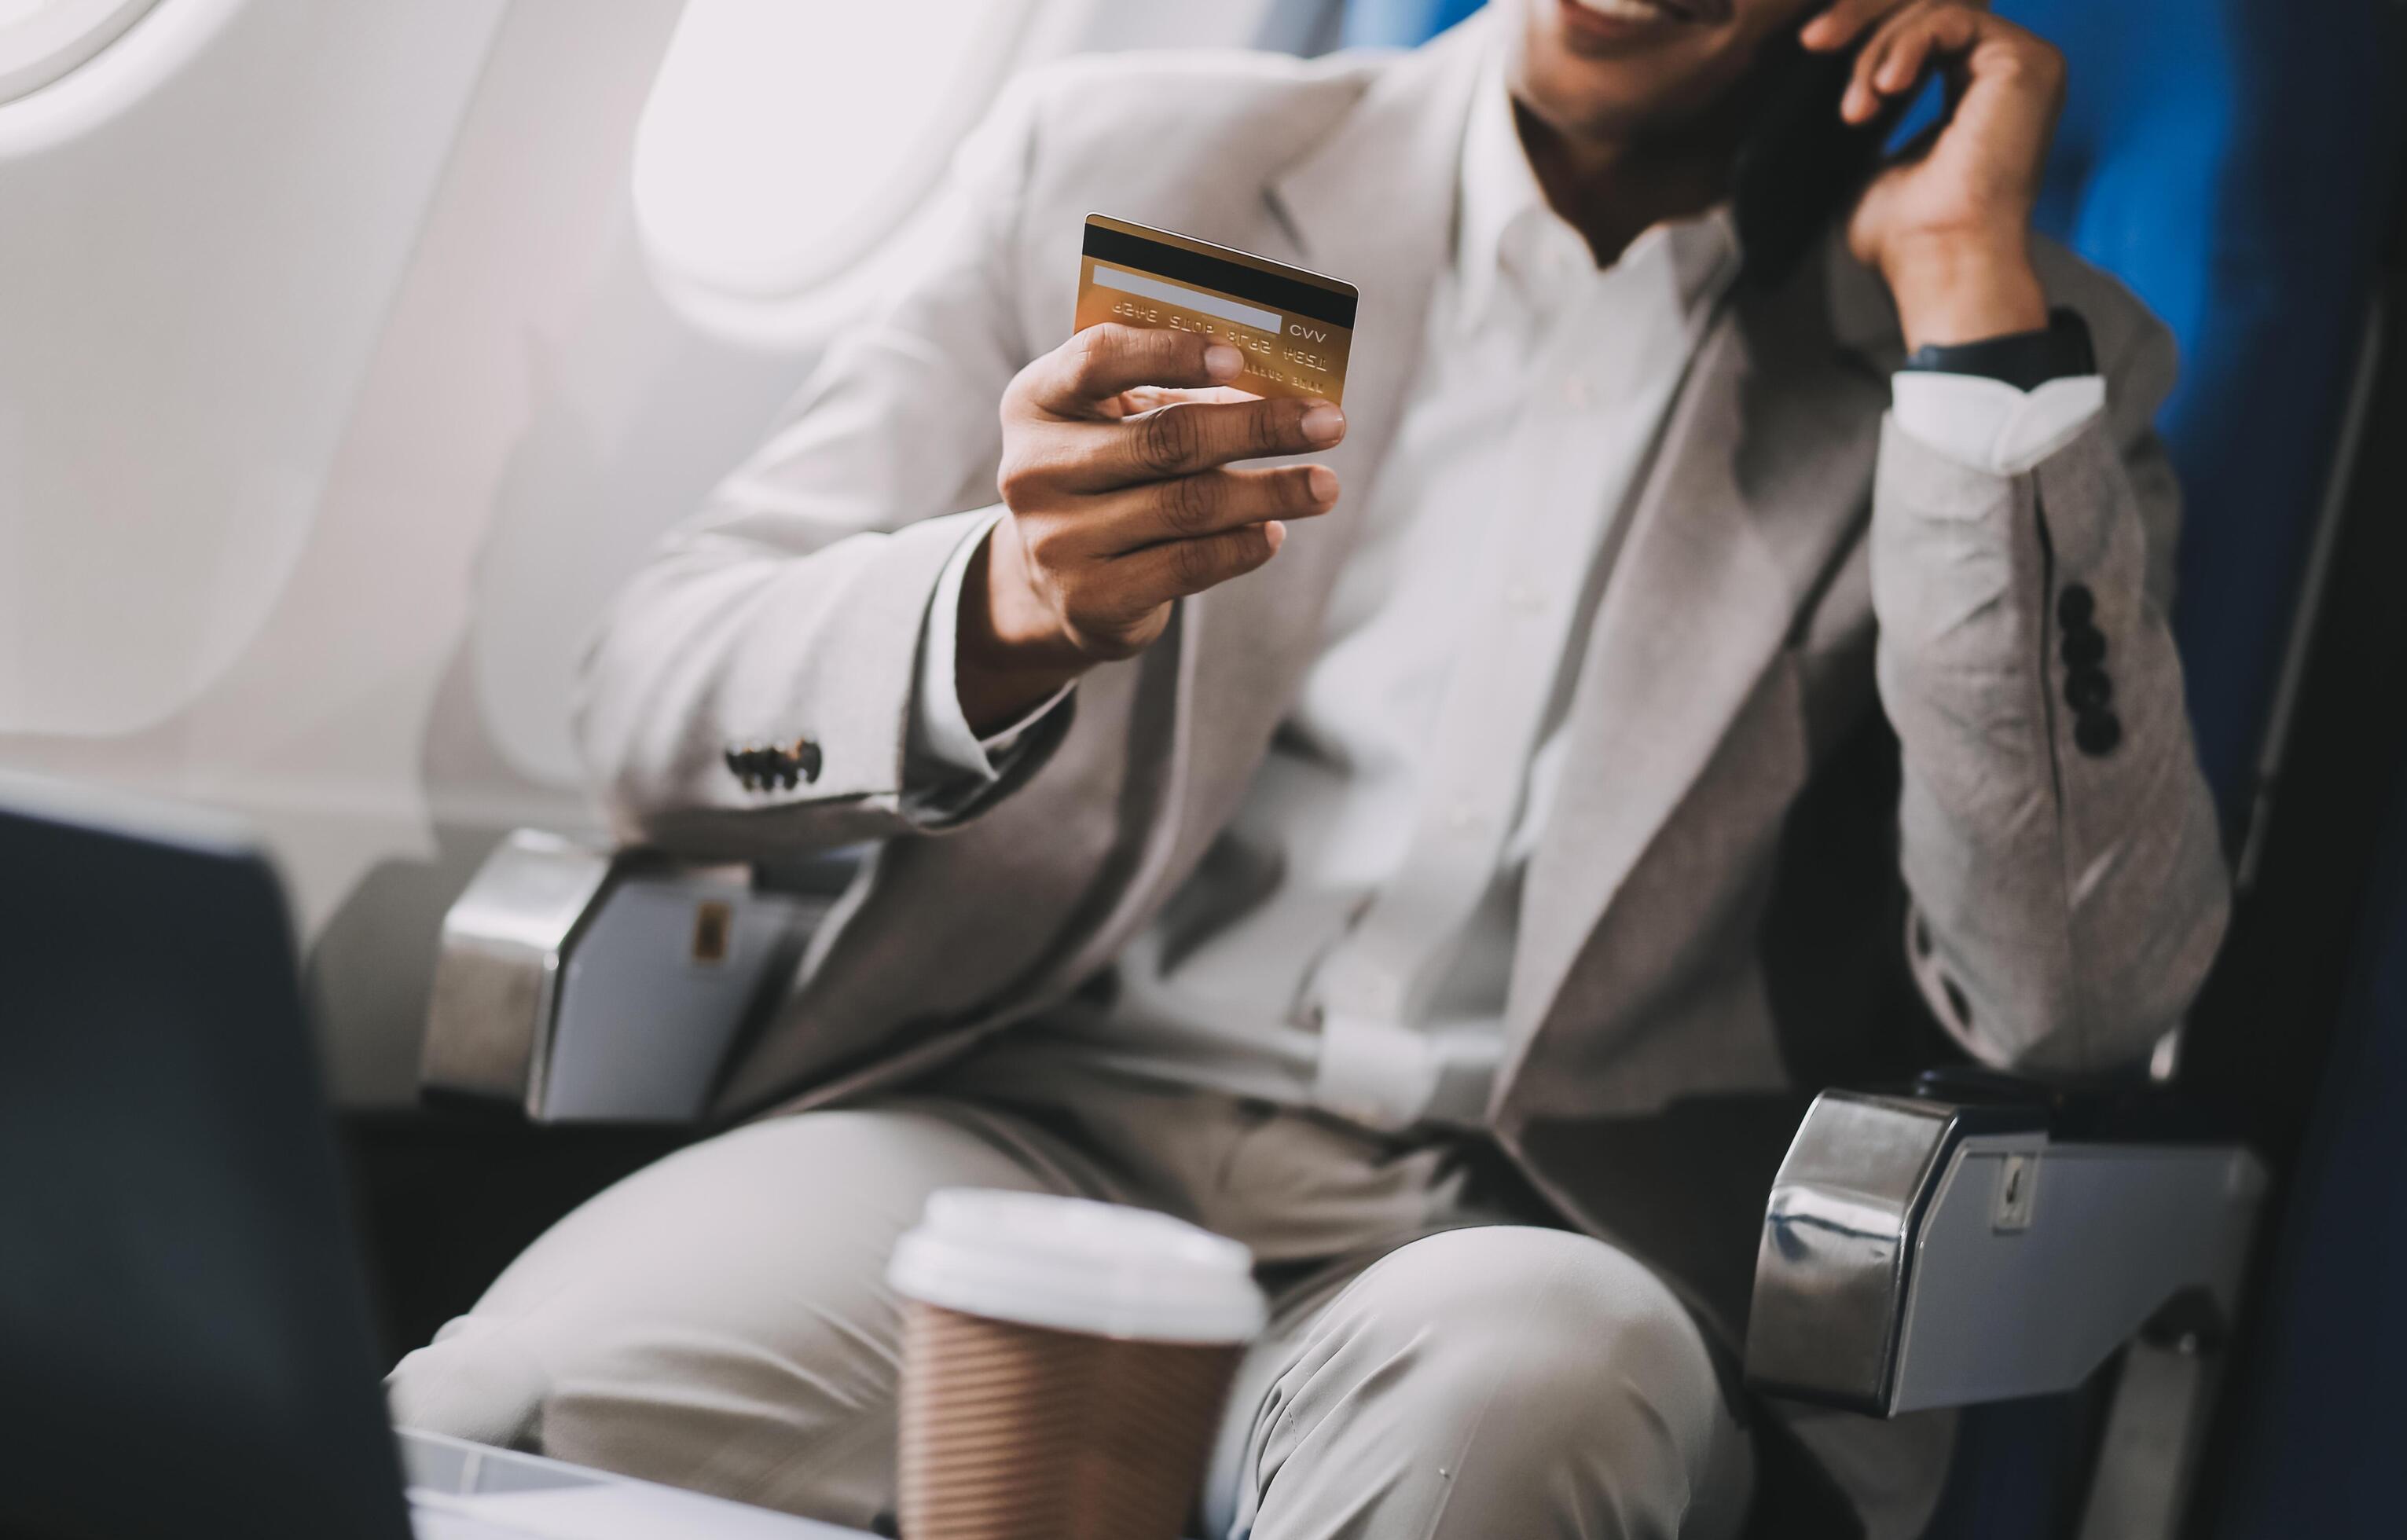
1523,599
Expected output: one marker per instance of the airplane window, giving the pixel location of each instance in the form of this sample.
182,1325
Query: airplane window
782,140
41,40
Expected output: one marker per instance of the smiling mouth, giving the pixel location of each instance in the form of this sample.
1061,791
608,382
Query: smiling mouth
1644,12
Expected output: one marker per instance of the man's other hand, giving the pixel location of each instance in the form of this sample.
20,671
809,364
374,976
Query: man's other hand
1949,227
1117,451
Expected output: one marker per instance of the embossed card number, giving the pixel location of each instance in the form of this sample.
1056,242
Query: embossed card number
1295,328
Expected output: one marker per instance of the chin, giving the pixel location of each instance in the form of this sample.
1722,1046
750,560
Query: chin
1621,68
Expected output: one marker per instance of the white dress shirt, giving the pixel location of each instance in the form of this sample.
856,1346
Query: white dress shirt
1347,944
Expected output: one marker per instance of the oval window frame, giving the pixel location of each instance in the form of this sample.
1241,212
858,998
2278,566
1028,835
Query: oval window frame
56,41
788,300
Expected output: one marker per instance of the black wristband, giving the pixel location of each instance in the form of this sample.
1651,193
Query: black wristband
2025,359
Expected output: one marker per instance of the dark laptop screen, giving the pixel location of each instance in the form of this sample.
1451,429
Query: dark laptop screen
184,1347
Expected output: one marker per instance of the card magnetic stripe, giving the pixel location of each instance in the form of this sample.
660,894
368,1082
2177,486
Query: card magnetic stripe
1271,290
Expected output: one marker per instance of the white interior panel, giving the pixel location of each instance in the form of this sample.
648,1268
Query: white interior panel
45,40
782,140
196,284
337,391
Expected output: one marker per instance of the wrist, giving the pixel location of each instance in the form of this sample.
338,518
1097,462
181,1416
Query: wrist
1957,287
1010,655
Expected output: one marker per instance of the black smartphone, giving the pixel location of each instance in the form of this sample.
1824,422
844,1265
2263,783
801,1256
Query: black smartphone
1802,165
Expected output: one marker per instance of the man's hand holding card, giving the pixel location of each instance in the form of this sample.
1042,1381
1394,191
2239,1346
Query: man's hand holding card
1120,452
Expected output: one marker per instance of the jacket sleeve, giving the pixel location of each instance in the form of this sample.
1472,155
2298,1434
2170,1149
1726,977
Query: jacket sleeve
787,617
2061,851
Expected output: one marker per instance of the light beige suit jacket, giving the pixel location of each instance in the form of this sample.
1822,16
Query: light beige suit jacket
1712,895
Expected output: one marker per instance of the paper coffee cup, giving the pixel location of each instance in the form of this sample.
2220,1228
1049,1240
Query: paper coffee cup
1063,1366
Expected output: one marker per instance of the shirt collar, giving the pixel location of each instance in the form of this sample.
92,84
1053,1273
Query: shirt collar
1508,233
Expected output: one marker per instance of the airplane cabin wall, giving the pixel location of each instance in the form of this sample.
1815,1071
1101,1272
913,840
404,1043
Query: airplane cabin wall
337,391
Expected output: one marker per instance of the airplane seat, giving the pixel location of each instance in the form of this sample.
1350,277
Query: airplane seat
2314,1449
2227,162
2320,956
2224,161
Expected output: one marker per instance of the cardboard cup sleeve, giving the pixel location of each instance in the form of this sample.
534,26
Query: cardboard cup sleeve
1064,1364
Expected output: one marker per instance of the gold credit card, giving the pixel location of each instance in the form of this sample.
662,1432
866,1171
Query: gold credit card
1295,328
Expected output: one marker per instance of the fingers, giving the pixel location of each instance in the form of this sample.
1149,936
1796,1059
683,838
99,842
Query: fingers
1183,567
1191,436
1117,515
1181,439
1891,63
1189,508
1844,22
1099,364
1949,29
1146,398
1114,609
1850,21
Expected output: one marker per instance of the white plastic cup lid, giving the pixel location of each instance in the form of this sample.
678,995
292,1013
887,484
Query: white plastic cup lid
1075,1265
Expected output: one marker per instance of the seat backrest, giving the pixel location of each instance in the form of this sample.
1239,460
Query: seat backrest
2231,160
2221,158
2317,1442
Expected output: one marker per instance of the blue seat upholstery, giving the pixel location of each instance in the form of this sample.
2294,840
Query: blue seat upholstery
1400,24
2223,160
2219,158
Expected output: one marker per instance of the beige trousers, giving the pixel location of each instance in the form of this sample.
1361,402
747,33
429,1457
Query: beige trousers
720,1321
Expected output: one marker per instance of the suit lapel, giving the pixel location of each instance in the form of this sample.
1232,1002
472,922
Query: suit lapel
1371,203
1760,479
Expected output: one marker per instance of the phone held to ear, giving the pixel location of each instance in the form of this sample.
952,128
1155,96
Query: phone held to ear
1802,165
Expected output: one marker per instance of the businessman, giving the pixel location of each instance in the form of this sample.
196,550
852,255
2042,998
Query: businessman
1287,817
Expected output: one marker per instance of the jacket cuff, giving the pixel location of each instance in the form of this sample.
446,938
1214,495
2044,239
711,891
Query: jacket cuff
1987,424
844,704
947,767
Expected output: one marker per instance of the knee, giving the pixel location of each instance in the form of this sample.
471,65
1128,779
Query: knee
1502,1381
473,1382
1566,1333
645,1398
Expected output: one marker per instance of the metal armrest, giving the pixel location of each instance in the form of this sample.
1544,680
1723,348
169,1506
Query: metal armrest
587,985
1935,1250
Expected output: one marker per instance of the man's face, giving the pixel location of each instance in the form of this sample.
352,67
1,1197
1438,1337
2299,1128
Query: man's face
1624,69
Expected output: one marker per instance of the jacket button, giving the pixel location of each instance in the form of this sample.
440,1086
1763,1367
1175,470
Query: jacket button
804,756
2088,690
2084,647
2076,605
2096,732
